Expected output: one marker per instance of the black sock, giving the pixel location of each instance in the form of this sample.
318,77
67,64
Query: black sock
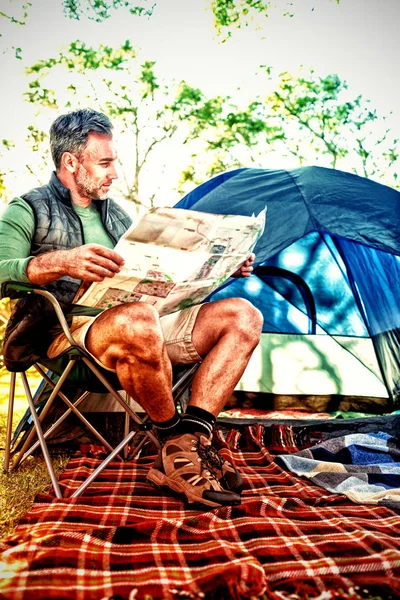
168,428
197,420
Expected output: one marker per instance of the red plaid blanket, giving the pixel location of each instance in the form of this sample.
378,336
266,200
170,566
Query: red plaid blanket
289,539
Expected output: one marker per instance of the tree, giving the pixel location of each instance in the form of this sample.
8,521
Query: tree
146,111
16,15
228,136
228,14
99,10
6,147
235,14
18,11
321,116
311,118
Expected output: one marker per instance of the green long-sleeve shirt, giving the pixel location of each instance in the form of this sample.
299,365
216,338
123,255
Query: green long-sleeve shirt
17,228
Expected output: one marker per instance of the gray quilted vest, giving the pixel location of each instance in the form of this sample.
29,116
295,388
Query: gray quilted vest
57,228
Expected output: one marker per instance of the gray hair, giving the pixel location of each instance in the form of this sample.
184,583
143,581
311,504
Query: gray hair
69,133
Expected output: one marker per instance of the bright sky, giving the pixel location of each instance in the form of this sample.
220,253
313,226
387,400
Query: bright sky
357,39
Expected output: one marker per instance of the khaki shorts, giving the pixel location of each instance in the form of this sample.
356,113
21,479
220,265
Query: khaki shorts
177,329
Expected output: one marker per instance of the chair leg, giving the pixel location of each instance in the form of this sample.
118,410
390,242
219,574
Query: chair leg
126,431
53,428
134,453
181,385
42,441
9,422
120,400
73,407
45,410
103,465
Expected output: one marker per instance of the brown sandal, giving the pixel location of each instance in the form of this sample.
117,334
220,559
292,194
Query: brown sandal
226,474
181,466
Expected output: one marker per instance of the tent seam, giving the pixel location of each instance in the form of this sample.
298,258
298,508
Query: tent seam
304,199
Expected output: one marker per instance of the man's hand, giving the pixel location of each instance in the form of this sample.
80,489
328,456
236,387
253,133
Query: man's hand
246,269
90,262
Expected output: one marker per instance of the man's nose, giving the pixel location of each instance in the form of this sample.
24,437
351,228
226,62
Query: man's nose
113,172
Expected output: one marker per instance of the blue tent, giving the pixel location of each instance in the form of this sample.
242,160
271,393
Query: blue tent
328,262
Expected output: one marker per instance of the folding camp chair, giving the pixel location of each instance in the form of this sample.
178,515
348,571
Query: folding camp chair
76,362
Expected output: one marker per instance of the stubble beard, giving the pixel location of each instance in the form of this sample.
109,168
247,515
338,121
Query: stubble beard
86,187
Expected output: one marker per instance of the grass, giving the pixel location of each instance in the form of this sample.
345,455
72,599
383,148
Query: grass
18,488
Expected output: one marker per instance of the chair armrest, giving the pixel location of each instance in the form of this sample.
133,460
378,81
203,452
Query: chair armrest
15,289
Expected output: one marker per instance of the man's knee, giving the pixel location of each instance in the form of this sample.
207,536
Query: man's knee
133,324
240,316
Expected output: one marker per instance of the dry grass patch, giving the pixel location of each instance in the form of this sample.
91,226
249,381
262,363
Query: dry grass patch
19,488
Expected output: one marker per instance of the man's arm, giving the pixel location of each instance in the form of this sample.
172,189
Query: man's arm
90,262
17,224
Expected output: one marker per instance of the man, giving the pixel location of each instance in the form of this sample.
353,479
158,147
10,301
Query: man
64,233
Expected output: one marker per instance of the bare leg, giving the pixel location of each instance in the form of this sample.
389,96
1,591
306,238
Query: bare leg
129,339
225,334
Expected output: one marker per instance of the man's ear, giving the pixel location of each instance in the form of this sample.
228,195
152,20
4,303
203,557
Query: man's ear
69,162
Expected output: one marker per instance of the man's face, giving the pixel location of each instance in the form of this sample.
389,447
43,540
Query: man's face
96,169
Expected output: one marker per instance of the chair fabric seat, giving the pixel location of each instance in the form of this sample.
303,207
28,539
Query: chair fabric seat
80,372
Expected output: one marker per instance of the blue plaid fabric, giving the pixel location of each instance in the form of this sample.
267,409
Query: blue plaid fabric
364,467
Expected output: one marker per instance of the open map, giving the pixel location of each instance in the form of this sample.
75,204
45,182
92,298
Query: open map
175,258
